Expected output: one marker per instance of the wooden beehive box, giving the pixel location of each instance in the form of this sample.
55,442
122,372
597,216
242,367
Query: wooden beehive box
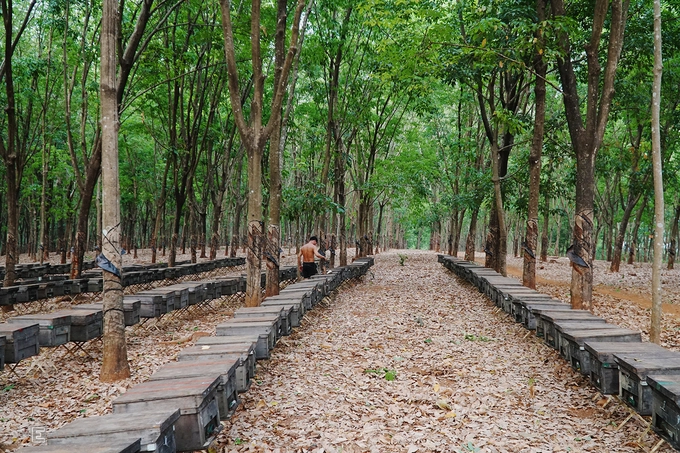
55,328
170,300
133,446
196,399
304,296
259,312
246,366
227,399
633,372
131,308
553,331
21,341
545,323
152,305
604,371
527,312
155,429
294,307
666,407
283,299
265,330
86,324
572,342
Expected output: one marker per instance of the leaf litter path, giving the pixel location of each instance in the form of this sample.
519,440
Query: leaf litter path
466,378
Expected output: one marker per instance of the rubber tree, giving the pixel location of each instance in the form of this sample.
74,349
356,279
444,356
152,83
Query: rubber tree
114,363
586,133
254,132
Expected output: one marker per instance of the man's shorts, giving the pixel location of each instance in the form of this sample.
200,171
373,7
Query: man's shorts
309,269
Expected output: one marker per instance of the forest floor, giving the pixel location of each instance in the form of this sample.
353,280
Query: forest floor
411,359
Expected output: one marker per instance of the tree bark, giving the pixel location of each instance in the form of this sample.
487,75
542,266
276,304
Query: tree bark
587,136
657,291
530,244
114,363
472,232
672,247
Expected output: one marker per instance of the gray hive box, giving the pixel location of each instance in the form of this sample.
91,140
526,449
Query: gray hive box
196,399
131,309
284,299
545,323
295,308
21,341
306,296
55,328
105,447
169,297
526,311
604,371
553,331
247,342
633,372
572,342
86,324
154,305
155,429
258,312
241,352
227,399
265,330
666,407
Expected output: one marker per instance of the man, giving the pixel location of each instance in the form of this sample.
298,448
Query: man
306,257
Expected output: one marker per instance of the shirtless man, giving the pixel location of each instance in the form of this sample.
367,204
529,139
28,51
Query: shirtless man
306,256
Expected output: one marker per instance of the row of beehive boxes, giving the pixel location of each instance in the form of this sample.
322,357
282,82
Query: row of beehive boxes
44,285
180,407
616,360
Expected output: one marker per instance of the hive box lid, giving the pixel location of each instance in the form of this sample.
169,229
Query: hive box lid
19,330
667,385
207,368
226,348
604,350
251,340
103,447
82,317
616,334
188,393
148,425
44,319
642,366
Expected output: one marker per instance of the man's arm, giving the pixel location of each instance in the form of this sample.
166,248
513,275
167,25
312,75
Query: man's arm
319,255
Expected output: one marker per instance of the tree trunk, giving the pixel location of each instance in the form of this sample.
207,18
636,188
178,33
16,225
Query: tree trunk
618,244
636,228
472,232
657,292
672,247
114,363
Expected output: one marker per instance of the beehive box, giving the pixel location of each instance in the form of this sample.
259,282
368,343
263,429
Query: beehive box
170,301
266,311
666,407
552,334
196,399
604,371
293,306
152,305
246,366
527,312
283,299
86,324
124,447
21,341
227,399
131,309
572,342
55,328
545,323
155,429
265,330
306,296
633,372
